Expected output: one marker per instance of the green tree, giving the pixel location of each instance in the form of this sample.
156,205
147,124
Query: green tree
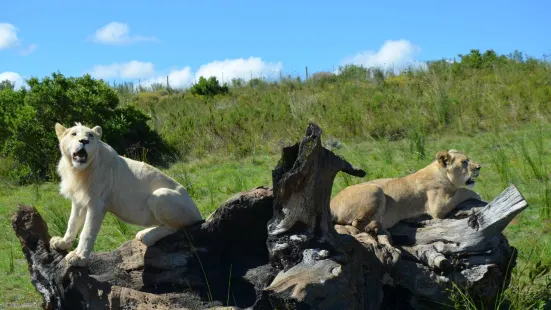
477,60
10,99
7,84
209,87
31,115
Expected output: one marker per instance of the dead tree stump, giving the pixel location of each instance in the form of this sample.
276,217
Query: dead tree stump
266,249
317,268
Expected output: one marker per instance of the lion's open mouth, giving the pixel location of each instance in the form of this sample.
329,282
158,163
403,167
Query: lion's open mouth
470,181
80,156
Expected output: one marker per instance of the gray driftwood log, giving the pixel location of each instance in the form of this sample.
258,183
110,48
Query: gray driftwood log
467,249
267,249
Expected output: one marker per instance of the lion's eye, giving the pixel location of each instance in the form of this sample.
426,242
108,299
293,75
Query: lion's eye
90,135
74,134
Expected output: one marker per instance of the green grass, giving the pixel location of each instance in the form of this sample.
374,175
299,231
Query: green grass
444,99
522,153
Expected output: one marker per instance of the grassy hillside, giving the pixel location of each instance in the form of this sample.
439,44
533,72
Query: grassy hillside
495,108
481,93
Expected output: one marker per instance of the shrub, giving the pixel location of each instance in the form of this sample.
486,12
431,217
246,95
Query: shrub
10,100
477,60
210,87
353,72
323,78
28,119
323,75
237,82
7,84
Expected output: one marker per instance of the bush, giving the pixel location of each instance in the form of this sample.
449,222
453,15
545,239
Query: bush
353,72
477,60
28,118
324,75
7,84
210,87
10,100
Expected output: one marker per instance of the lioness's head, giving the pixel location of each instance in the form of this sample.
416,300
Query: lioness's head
461,170
79,144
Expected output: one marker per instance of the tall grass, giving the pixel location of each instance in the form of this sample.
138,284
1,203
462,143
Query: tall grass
501,161
417,135
57,219
434,100
122,228
535,166
11,265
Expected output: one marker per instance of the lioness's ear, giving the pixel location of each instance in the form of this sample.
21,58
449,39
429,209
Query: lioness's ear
60,130
443,158
97,130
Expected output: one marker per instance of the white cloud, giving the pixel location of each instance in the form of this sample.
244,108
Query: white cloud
8,36
29,49
228,69
12,76
224,71
129,70
9,39
116,33
397,54
137,69
180,78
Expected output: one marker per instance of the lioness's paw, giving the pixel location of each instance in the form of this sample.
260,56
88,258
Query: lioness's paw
59,243
147,241
139,235
146,237
77,260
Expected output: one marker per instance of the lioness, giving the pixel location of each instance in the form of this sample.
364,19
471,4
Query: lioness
435,190
97,180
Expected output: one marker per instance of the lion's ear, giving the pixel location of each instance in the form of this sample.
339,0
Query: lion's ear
60,130
443,158
97,130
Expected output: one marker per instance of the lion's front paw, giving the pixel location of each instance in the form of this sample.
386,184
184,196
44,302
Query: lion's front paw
140,235
59,243
147,236
76,259
147,241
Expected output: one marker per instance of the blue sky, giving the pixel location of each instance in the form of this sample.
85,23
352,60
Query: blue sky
148,40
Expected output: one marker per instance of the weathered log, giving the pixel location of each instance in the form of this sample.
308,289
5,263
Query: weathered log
468,249
267,248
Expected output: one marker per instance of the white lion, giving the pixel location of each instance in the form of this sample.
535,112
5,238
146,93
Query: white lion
97,180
